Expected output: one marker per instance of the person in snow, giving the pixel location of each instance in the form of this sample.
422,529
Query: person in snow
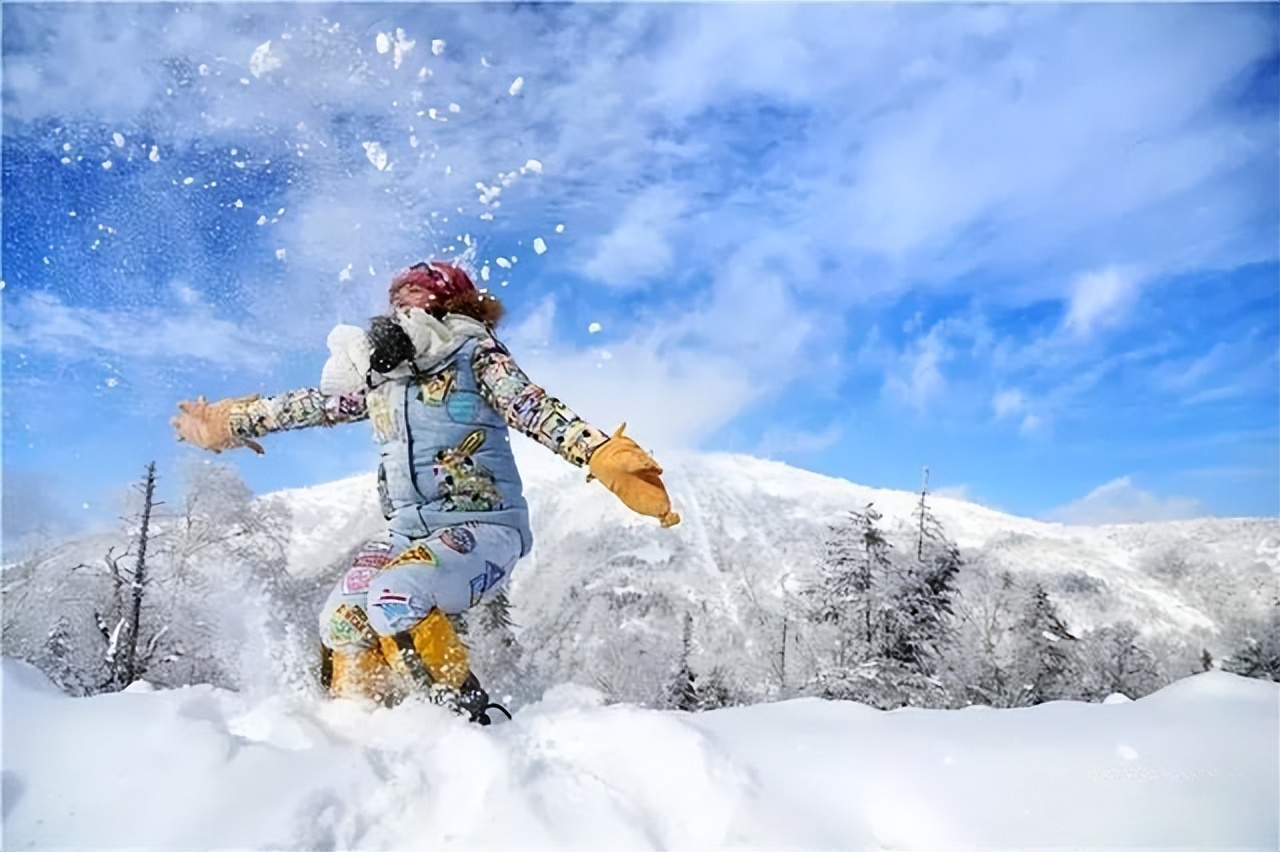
440,391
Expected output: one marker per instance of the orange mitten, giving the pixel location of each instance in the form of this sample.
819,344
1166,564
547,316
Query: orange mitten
632,474
208,425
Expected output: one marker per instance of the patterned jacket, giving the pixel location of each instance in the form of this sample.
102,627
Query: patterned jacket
442,435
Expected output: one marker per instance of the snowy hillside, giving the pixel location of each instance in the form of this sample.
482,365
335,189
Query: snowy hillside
762,523
1192,766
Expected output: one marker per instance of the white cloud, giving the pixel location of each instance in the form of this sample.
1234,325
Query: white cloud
638,248
1007,403
787,442
43,323
917,378
670,397
1121,502
1100,299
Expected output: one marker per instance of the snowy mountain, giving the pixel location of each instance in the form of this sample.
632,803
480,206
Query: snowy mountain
754,528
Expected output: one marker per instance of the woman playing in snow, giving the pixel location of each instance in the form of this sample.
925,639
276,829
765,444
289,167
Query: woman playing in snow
440,392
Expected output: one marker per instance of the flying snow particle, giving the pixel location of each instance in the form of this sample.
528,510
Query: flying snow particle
437,46
593,328
559,229
280,254
532,166
106,164
454,108
118,139
484,272
66,146
539,245
398,45
238,203
188,181
262,220
488,217
345,273
262,61
516,86
112,382
84,505
503,262
376,154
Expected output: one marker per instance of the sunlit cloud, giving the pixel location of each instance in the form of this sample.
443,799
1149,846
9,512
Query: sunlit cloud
43,324
1121,502
1100,299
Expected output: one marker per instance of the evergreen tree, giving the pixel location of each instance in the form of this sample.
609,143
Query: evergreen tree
855,553
497,656
681,691
1259,654
1045,663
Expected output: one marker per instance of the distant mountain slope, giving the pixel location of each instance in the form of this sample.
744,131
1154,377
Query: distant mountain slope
752,527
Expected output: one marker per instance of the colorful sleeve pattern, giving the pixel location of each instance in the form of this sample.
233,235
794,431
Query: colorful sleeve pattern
528,408
298,409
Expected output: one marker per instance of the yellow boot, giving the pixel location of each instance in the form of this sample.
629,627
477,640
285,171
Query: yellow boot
429,653
358,673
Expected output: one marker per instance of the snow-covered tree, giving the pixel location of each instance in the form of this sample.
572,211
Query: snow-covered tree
681,690
1114,659
1044,666
1258,651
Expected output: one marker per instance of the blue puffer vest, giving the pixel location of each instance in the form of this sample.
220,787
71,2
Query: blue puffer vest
446,454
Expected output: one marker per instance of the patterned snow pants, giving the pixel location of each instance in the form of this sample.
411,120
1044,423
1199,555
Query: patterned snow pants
393,584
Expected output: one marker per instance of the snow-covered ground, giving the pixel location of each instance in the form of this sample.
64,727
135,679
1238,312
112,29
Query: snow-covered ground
1191,766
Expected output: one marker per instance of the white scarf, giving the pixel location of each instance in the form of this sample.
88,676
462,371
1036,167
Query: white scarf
433,341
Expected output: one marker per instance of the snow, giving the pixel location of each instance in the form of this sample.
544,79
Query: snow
1193,765
539,245
376,154
516,85
263,61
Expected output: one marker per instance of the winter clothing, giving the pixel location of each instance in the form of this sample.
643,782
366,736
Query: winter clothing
395,582
208,425
441,393
441,280
632,474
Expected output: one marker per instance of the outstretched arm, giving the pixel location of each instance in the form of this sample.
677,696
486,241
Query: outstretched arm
529,409
617,461
229,423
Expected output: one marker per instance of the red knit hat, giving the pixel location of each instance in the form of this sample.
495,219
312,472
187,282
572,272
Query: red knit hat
442,280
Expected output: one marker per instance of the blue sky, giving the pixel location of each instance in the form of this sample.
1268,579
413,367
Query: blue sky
1033,247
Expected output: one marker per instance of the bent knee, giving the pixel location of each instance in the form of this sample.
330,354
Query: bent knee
346,627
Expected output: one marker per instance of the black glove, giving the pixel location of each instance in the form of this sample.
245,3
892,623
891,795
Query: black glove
390,344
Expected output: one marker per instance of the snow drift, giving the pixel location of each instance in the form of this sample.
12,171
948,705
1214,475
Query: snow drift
1191,766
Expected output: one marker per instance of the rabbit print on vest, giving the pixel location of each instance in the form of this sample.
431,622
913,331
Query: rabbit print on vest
465,484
